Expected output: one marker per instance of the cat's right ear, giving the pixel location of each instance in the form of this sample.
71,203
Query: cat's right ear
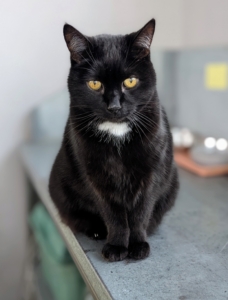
76,42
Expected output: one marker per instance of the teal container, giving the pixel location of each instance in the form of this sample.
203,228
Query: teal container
58,268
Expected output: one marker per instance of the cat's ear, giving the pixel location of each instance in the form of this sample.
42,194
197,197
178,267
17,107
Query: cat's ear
143,39
76,42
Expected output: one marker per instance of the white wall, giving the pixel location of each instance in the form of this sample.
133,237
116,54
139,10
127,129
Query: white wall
205,23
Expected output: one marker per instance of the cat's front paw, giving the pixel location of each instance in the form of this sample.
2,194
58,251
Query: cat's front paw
139,250
114,253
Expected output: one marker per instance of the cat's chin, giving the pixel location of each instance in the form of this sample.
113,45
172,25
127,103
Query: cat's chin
116,129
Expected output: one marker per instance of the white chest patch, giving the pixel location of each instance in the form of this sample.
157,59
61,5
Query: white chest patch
116,129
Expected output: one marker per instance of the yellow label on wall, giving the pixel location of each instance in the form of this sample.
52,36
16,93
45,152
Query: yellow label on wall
216,76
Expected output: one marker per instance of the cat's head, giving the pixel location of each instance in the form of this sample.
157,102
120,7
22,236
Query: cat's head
111,78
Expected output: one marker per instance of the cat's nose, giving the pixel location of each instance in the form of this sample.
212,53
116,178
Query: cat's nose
114,108
114,104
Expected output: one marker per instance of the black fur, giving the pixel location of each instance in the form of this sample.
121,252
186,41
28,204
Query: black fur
103,185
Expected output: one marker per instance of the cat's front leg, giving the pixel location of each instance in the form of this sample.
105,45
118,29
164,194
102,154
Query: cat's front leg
138,220
138,246
116,248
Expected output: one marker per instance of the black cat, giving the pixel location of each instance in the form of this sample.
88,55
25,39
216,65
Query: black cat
114,175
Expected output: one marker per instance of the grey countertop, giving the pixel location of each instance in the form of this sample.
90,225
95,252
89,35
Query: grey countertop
189,252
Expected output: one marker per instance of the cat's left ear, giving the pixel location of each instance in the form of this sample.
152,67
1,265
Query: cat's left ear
76,42
143,39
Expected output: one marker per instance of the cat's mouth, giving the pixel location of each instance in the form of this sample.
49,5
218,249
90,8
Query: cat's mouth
117,118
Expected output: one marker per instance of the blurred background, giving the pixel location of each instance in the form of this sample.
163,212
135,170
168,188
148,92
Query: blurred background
189,52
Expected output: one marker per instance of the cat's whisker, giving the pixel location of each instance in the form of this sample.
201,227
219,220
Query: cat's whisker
89,56
81,122
134,63
139,127
89,124
145,118
92,58
136,127
84,68
129,46
79,105
78,117
143,132
83,117
81,129
147,122
144,125
86,60
141,124
83,111
147,126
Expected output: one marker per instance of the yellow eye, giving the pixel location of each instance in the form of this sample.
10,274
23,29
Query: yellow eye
130,82
94,85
